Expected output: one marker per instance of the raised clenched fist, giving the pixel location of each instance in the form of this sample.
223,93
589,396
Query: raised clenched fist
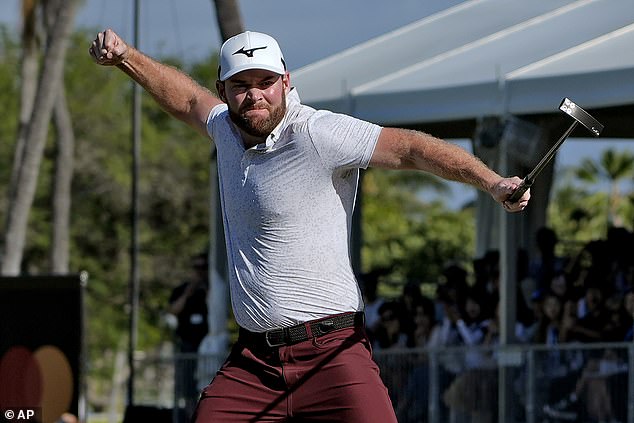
109,49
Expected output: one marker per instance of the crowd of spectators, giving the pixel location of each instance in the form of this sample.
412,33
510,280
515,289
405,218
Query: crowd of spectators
585,298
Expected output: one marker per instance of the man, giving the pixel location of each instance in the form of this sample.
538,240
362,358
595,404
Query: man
288,176
188,303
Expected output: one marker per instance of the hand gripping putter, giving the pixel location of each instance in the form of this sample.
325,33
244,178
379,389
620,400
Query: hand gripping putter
580,116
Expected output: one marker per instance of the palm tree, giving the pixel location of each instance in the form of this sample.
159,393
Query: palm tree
27,162
612,167
228,17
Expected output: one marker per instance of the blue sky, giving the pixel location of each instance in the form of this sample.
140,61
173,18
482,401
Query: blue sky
307,31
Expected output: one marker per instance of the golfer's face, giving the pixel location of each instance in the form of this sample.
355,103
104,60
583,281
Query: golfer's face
256,100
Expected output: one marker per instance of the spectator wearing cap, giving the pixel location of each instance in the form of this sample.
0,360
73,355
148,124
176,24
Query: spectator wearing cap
388,333
188,303
372,301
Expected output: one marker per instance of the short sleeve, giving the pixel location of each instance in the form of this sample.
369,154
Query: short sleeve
212,118
343,141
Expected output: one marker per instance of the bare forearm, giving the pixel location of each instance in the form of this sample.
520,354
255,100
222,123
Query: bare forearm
452,162
408,149
173,90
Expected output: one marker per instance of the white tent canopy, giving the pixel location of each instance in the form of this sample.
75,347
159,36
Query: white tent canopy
490,58
483,58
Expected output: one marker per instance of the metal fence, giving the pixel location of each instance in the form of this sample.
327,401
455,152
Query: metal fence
523,383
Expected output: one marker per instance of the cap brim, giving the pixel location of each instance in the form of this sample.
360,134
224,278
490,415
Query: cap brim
238,69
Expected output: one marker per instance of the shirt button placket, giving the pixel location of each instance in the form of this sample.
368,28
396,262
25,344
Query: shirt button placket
245,164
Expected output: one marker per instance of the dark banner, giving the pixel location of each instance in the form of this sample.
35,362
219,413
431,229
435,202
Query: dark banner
41,333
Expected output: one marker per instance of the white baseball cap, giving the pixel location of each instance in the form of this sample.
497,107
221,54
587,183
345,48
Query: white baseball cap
250,50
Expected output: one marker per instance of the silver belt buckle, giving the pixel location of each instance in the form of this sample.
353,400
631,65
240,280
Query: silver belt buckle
271,344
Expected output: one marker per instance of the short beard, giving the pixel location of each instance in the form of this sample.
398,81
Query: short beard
260,128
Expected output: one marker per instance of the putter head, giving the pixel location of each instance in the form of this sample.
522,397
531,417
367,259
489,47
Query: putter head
577,113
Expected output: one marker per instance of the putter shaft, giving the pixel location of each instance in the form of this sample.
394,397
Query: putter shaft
530,178
580,116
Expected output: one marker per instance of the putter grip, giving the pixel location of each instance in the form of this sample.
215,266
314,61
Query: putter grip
519,191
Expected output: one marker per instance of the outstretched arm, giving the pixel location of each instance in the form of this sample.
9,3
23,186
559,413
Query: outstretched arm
174,91
407,149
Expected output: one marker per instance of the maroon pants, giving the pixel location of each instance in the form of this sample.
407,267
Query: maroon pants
327,379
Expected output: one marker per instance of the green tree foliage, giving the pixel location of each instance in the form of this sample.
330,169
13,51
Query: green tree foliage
401,231
582,209
9,97
174,187
577,215
174,196
612,167
410,237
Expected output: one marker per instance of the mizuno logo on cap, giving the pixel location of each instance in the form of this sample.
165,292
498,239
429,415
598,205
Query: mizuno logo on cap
248,52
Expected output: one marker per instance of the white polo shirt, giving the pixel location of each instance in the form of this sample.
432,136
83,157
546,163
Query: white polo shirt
287,209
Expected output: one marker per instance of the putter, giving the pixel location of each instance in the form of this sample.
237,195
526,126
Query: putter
580,116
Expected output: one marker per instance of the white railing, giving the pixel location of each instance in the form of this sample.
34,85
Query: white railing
520,383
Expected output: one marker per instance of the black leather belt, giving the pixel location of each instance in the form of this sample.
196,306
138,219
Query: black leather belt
298,333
